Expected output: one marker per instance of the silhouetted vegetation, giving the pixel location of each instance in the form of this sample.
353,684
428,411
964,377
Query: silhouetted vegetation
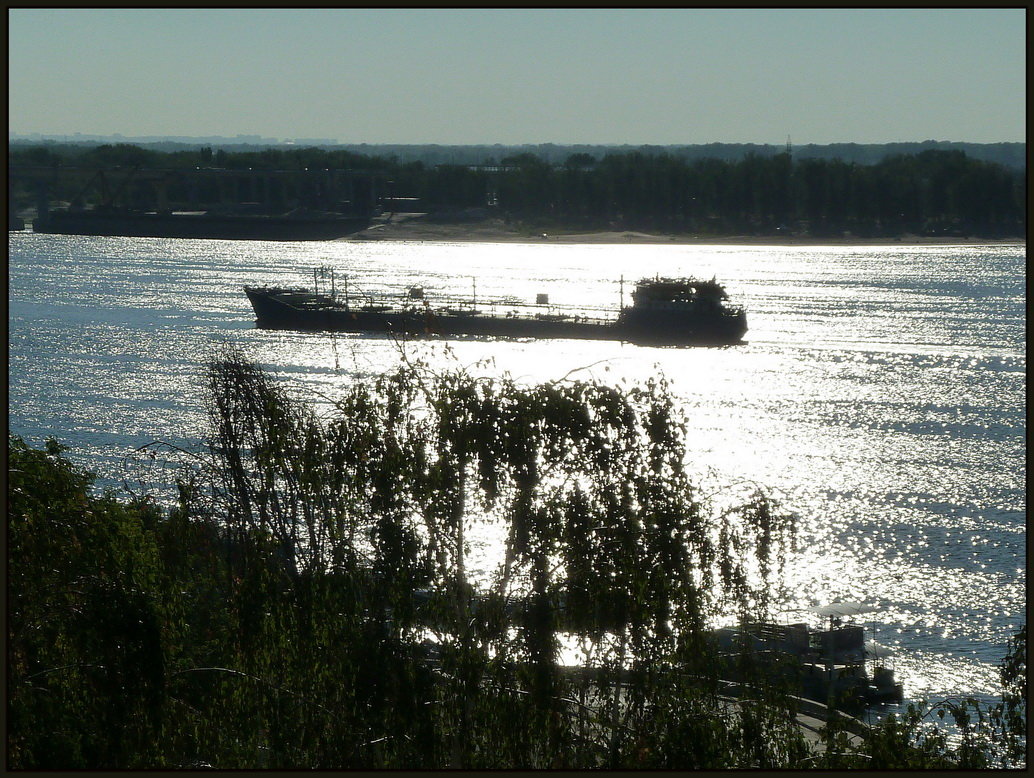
1012,155
310,601
932,193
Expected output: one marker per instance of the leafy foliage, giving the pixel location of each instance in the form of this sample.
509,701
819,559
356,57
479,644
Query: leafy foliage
85,619
312,602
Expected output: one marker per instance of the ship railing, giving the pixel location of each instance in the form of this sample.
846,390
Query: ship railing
505,307
500,307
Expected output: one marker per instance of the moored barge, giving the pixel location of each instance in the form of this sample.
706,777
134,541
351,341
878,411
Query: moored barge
199,225
830,665
664,312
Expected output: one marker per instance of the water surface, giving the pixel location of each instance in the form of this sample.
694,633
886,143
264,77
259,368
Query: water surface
880,396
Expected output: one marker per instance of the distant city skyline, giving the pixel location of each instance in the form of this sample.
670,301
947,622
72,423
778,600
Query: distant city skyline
522,76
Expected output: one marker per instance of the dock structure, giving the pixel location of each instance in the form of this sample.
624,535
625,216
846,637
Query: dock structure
812,718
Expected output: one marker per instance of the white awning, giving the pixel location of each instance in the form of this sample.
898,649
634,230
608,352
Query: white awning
840,609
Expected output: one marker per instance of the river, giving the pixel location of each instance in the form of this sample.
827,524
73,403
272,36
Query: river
880,394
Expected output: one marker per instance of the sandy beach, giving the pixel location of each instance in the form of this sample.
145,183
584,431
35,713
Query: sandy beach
415,227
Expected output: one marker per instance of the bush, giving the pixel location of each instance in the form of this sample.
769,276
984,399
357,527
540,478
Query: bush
309,602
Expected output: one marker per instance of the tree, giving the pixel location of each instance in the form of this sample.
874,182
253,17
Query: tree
310,599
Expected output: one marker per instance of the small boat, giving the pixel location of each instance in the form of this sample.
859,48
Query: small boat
664,312
828,665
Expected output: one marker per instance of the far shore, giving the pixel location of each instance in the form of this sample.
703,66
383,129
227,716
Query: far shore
407,228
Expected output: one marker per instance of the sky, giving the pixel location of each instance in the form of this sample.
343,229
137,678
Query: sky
515,76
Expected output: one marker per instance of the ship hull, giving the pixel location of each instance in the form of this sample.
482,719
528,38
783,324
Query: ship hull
207,226
295,310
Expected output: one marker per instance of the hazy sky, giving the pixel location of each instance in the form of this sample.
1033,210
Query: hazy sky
523,76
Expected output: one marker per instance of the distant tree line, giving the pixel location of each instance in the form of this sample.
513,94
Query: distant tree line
129,155
1011,154
932,193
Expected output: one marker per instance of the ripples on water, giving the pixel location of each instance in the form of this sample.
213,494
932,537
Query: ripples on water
881,395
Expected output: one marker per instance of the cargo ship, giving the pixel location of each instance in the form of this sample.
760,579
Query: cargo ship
199,224
664,312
